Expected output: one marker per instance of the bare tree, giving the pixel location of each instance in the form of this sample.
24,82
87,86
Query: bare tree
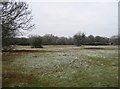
15,18
79,38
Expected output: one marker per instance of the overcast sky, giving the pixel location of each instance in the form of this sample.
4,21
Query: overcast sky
67,18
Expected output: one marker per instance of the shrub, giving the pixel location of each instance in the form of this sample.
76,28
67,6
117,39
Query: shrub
35,41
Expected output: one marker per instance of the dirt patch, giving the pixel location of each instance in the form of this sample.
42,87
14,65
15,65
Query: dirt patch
17,77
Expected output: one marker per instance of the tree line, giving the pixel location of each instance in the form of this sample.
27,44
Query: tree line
78,40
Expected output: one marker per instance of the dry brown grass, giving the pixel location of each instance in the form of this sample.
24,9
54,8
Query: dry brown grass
17,77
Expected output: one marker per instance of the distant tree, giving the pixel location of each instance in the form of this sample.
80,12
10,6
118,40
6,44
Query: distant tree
79,39
90,40
15,17
62,41
70,41
98,39
83,38
101,40
114,40
20,41
36,41
49,39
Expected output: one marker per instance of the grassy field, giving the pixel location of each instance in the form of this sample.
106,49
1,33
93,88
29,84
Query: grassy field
61,66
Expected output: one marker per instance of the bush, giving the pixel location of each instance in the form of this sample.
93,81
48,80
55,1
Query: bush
36,42
79,39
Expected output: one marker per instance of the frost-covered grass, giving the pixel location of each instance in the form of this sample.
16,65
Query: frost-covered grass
61,66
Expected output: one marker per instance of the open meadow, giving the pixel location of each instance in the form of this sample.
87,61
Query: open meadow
61,66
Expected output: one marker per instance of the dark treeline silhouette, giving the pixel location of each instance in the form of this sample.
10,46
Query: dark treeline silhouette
78,40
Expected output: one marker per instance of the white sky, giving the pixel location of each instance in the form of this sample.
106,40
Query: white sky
65,18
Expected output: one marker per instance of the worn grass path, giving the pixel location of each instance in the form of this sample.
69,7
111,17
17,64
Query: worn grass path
61,66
